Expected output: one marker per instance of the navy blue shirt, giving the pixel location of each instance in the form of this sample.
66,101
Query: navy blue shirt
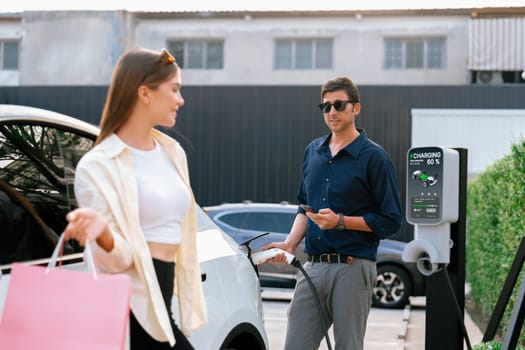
358,181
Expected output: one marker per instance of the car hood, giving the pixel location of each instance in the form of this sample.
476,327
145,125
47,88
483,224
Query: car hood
213,244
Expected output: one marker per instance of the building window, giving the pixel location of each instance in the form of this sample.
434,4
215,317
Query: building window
303,54
415,53
8,55
198,54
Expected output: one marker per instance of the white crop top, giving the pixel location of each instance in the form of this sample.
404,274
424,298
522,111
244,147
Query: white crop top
164,199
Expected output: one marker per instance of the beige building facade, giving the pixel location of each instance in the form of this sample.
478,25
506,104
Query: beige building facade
375,47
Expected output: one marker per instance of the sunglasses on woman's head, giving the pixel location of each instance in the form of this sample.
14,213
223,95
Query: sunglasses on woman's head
338,105
166,57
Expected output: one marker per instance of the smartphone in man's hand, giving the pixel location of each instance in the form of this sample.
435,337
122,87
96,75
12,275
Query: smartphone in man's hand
307,208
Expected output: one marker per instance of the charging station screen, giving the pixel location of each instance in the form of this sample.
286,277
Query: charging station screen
425,208
424,184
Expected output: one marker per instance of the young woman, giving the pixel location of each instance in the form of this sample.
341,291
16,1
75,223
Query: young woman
136,207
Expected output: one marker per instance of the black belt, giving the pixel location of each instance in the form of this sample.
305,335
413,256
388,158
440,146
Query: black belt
332,258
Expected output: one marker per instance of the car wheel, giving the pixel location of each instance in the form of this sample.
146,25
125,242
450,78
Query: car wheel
393,287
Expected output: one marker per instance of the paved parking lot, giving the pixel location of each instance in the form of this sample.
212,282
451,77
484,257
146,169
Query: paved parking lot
382,333
386,329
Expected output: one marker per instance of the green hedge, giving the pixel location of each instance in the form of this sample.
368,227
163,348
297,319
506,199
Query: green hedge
492,346
495,226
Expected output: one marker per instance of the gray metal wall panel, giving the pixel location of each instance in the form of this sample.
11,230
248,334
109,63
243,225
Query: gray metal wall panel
246,143
83,102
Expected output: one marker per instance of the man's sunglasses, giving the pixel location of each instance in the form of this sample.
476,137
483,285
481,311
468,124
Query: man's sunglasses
338,105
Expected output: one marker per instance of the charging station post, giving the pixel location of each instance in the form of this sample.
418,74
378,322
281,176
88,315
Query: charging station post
436,206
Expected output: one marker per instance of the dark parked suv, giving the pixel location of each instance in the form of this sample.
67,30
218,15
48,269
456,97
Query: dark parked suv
396,279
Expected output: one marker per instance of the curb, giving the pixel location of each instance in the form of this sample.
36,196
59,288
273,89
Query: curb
403,330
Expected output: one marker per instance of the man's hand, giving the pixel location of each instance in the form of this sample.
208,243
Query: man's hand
325,218
279,258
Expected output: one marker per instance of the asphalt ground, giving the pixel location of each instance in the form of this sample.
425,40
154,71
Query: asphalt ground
400,329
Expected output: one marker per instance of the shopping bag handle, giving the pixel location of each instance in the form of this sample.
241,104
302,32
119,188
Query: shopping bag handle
59,249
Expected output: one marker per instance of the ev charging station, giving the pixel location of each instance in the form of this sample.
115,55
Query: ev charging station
436,206
431,205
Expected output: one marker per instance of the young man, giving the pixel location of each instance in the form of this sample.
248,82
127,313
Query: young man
349,182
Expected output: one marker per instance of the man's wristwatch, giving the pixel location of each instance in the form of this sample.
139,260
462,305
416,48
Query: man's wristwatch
341,225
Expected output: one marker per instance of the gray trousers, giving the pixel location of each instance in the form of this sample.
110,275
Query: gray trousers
345,294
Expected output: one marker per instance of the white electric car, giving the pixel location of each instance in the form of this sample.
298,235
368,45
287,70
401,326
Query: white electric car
39,150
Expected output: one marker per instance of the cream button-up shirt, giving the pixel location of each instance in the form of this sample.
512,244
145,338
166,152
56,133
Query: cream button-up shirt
105,181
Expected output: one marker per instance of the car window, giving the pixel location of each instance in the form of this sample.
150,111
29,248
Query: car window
39,162
24,236
275,222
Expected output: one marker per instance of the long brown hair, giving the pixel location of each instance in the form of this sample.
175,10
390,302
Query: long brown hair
135,68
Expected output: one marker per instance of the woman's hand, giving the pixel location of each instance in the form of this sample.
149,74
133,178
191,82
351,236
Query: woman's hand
86,224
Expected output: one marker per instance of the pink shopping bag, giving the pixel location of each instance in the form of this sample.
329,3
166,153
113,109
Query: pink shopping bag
58,309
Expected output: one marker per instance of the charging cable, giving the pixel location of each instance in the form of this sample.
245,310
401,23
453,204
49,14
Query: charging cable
459,314
263,255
